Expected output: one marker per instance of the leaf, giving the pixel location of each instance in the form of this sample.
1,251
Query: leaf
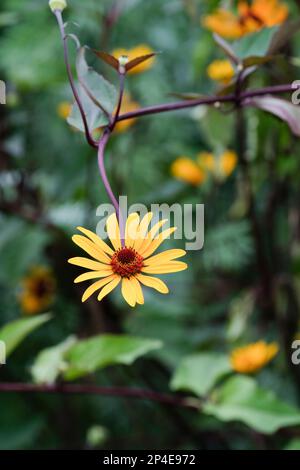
241,399
256,60
101,351
94,115
198,373
216,129
15,332
254,45
138,60
283,109
50,362
98,89
109,59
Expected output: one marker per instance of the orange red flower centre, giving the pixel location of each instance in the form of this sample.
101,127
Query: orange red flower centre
126,262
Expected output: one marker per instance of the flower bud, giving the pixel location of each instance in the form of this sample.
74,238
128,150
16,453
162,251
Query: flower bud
59,5
123,60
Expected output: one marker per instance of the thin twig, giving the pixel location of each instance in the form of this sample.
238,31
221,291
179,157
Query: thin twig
91,389
64,38
210,100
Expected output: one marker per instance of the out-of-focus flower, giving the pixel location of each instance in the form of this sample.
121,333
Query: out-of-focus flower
221,166
221,71
138,51
64,109
224,23
253,357
185,169
250,18
38,289
127,105
130,262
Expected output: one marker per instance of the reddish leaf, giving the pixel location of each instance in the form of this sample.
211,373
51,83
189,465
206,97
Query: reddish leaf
109,59
138,60
283,109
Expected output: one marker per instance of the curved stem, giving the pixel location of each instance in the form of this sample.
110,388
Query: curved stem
209,100
121,93
89,138
101,147
105,391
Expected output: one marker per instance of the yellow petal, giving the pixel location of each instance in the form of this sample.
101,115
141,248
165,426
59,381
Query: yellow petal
151,234
89,264
128,291
155,243
164,257
113,231
109,287
92,249
138,291
142,230
92,275
97,240
132,224
171,267
153,282
96,286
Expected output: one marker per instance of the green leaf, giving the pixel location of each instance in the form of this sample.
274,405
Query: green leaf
15,332
51,362
254,45
99,90
198,373
94,115
241,399
284,110
101,351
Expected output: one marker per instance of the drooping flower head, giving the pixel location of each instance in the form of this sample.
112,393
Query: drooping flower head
37,291
187,170
221,71
253,357
130,263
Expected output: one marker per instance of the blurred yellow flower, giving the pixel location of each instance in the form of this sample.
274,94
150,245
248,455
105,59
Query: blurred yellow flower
138,51
253,357
250,18
127,105
228,162
221,71
224,23
220,166
38,290
185,169
64,109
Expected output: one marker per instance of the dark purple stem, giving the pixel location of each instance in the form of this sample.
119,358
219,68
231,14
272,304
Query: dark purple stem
89,138
210,100
101,148
121,93
105,391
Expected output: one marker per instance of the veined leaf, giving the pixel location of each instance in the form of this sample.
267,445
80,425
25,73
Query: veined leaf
241,399
101,351
15,332
50,362
198,373
254,44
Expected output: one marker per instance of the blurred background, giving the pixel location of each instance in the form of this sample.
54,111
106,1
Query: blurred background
241,288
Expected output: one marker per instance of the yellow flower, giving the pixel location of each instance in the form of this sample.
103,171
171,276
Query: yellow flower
250,18
224,23
138,51
64,109
185,169
127,105
37,290
227,162
221,70
251,358
220,166
129,263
